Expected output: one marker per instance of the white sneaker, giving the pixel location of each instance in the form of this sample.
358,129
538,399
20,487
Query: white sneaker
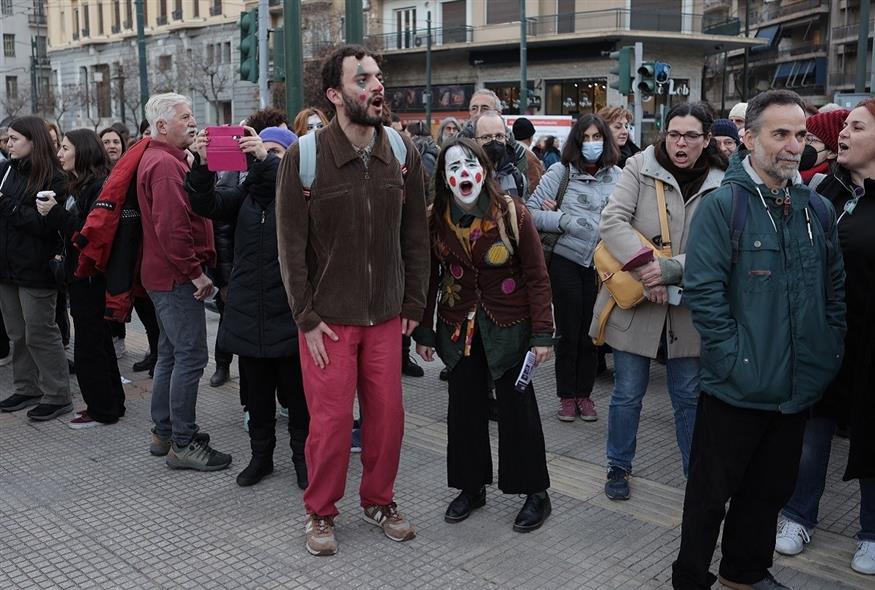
864,558
792,537
246,421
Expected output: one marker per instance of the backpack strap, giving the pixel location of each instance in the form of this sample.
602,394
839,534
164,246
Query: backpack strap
738,219
307,162
816,180
563,185
307,158
822,213
399,148
514,226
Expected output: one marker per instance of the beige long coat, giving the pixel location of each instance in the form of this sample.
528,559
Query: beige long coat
633,205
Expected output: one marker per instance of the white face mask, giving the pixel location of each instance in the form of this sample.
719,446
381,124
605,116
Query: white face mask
464,175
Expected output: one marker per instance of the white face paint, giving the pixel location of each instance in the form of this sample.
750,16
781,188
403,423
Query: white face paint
314,123
464,175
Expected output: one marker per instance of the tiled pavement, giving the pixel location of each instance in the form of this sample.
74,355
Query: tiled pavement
92,509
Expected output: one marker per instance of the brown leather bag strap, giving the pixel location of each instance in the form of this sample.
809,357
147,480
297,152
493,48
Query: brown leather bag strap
663,218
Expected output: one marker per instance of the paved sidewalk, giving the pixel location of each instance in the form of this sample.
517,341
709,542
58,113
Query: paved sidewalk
92,508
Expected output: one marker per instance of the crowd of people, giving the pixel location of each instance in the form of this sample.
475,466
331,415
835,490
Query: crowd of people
734,251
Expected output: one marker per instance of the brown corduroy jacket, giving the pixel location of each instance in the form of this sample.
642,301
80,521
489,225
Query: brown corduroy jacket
355,252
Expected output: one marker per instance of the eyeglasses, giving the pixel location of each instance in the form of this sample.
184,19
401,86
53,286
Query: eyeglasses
689,136
479,108
810,139
500,137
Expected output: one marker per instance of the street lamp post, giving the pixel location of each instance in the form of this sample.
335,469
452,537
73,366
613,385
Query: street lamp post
294,57
428,72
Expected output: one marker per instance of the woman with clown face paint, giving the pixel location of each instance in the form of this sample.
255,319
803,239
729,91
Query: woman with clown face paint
492,292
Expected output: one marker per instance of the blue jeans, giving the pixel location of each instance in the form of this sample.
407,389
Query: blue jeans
182,356
813,464
631,376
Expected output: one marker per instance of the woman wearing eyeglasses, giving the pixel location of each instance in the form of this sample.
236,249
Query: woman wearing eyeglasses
848,400
686,164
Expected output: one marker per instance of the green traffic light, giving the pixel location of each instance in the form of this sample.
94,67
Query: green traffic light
249,45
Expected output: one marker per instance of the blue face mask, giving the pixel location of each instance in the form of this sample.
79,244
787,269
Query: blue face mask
592,150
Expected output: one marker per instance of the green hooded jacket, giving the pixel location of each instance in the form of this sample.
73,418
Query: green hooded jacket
771,338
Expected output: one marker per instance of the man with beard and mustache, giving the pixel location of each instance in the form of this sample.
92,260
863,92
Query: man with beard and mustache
177,248
353,251
767,299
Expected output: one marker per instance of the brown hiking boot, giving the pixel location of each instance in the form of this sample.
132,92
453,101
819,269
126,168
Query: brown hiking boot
394,526
320,535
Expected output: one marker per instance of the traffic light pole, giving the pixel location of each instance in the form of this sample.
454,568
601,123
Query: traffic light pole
294,55
353,20
263,53
524,60
638,110
428,99
141,55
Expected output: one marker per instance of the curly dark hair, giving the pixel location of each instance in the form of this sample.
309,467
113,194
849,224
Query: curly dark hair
332,67
267,117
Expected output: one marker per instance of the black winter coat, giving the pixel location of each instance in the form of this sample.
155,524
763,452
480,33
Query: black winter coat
223,236
27,239
850,399
71,220
258,321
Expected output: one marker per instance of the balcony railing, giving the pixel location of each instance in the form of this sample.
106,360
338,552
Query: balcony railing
773,10
161,20
418,39
177,14
36,20
850,31
618,19
839,79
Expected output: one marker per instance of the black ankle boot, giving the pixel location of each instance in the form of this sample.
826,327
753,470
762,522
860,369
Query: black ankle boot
221,376
534,512
262,440
464,504
297,440
147,364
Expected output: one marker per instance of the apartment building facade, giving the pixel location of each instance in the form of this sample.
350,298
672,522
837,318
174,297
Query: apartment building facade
24,65
476,44
808,46
191,48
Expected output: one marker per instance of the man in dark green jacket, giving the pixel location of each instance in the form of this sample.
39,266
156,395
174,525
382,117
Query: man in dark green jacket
770,311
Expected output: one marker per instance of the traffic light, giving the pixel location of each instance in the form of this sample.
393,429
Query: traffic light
249,45
647,81
662,73
623,70
279,55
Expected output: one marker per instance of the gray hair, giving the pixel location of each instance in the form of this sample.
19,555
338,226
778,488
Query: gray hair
487,92
161,107
759,103
829,107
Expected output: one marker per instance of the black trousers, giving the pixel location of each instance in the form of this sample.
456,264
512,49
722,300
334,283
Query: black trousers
93,353
61,317
574,292
269,379
146,312
4,339
751,459
221,356
522,461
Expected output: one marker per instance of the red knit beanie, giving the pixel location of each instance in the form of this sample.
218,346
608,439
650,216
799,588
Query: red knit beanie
827,126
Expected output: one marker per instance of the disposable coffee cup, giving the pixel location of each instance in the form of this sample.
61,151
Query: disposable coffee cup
45,195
